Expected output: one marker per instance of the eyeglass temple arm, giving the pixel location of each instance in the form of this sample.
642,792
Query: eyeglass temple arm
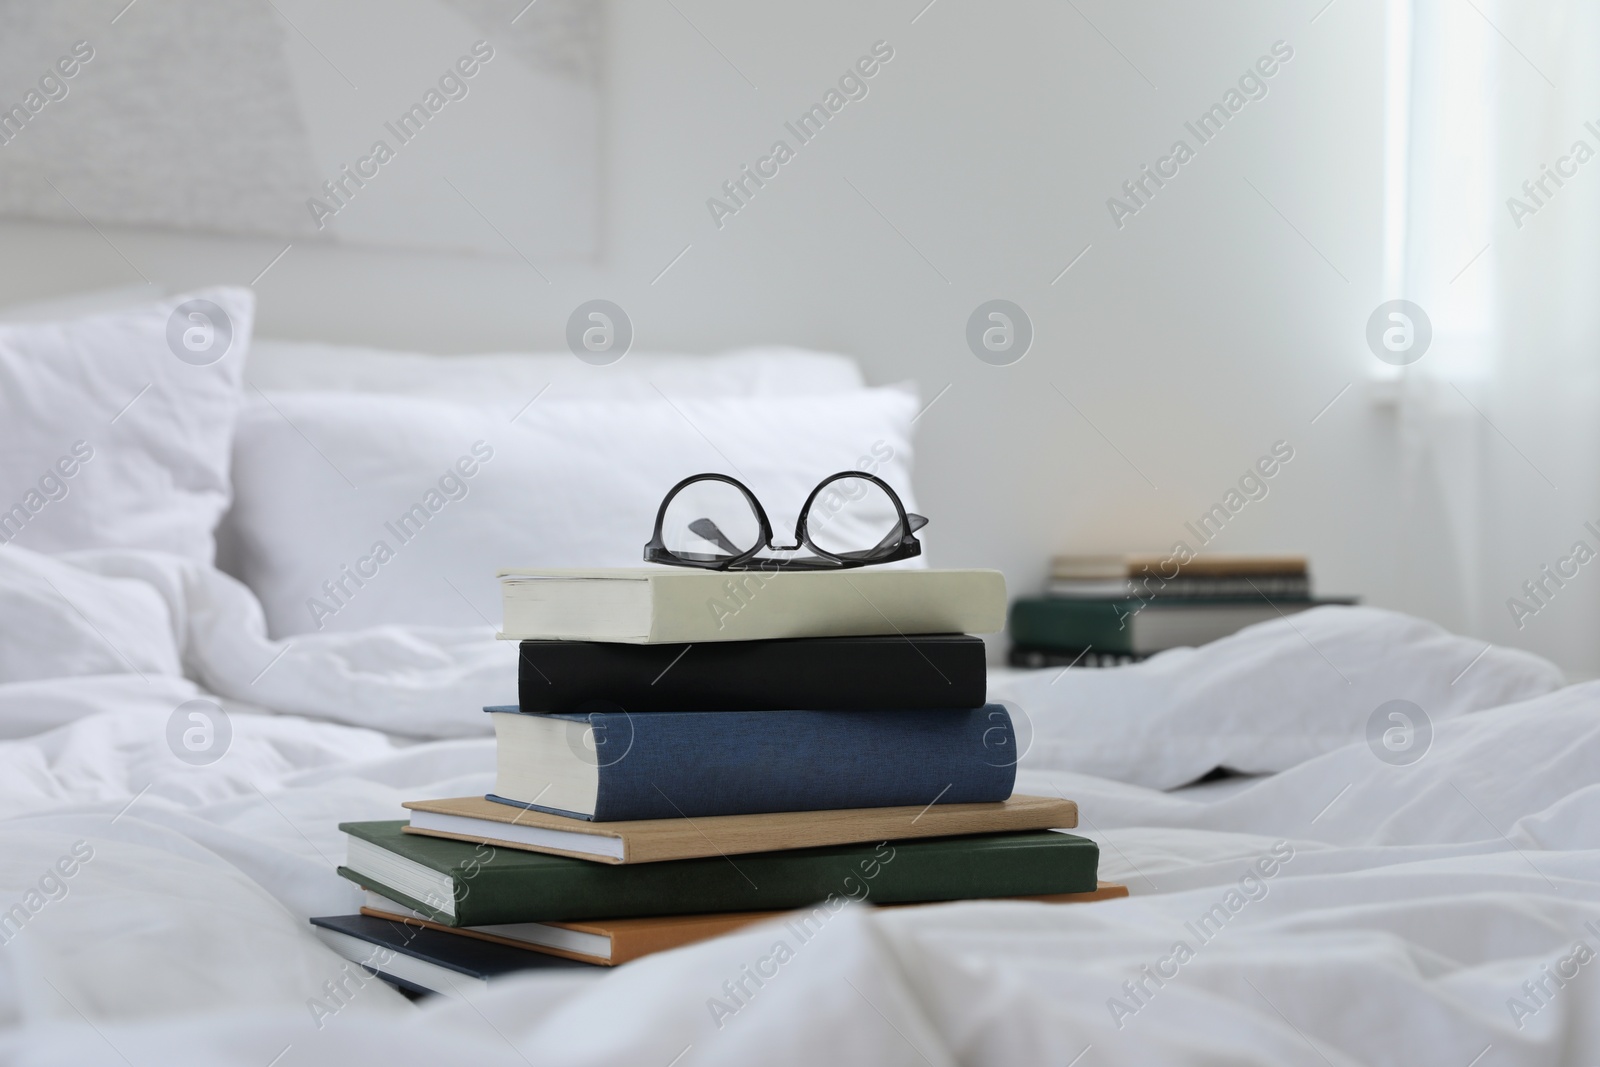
712,532
914,522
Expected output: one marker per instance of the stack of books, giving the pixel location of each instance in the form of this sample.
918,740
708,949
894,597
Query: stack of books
695,751
1107,610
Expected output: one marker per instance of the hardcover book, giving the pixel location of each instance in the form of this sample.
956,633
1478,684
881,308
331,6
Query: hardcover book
461,884
609,942
665,605
422,960
480,820
675,764
1140,627
1076,658
1140,564
897,672
1272,586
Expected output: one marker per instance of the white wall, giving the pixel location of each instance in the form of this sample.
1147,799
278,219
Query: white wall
1205,330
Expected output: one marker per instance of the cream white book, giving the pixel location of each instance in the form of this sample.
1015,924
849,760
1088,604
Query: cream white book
662,605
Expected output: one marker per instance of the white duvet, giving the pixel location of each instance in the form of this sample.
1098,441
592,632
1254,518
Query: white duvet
1345,909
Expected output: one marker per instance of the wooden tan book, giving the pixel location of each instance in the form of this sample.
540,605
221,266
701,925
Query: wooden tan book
484,821
609,942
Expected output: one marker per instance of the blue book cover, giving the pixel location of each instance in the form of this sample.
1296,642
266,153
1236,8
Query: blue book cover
666,765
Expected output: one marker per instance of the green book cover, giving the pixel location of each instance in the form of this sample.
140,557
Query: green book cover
1059,622
1133,626
502,885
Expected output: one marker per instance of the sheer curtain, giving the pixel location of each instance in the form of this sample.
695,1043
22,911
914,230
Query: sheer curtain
1496,422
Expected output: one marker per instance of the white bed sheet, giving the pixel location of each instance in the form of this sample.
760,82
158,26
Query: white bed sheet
1413,905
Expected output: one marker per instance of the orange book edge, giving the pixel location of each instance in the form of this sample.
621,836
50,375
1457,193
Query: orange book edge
632,939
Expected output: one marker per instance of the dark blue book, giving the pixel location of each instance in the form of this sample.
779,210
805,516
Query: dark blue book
420,960
611,766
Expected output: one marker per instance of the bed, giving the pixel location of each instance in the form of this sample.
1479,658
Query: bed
1347,894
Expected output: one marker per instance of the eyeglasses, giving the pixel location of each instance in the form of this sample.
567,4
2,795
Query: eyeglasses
851,519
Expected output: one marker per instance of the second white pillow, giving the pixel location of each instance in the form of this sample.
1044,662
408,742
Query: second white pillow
115,428
356,510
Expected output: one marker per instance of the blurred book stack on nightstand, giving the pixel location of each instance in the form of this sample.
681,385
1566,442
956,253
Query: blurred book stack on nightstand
1109,610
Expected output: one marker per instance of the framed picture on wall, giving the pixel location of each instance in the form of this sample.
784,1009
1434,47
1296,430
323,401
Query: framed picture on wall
431,124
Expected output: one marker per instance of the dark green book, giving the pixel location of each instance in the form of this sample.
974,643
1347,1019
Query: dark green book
1138,627
463,884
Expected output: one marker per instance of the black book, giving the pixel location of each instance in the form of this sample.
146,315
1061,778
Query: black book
420,960
916,671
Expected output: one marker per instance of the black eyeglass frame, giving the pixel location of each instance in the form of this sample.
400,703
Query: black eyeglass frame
892,548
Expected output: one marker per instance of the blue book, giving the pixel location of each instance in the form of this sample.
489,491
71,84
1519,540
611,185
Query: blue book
611,766
422,961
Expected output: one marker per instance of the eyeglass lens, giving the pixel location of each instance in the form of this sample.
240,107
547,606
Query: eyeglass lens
853,515
710,520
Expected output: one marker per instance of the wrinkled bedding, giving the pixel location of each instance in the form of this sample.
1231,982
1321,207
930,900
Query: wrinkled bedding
1350,904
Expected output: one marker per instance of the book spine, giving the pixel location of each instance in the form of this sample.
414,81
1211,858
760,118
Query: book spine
1152,588
687,764
1034,658
896,673
1101,625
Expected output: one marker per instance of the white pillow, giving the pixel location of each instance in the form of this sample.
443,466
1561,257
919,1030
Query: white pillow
87,302
506,381
109,438
321,480
60,620
1265,699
